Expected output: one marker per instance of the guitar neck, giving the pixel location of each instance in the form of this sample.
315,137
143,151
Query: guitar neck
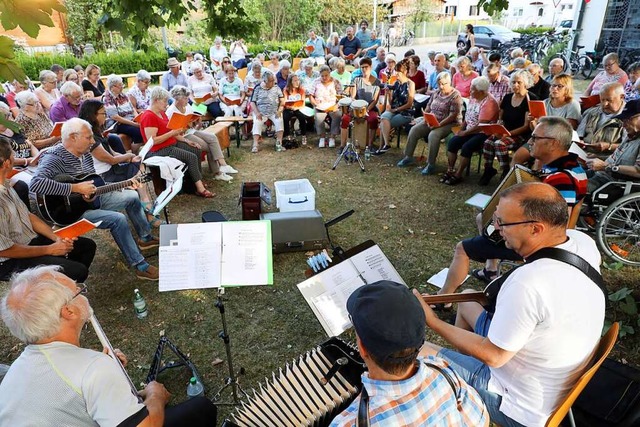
108,188
478,297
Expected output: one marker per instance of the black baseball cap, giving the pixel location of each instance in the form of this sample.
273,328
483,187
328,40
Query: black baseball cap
387,317
631,108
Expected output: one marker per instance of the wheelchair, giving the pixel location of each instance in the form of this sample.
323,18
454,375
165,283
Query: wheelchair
613,213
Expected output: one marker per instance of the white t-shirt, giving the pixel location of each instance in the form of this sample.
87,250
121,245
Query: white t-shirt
237,53
552,315
200,88
172,109
59,384
217,54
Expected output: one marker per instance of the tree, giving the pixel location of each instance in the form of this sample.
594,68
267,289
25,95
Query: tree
283,19
225,17
493,7
82,22
345,12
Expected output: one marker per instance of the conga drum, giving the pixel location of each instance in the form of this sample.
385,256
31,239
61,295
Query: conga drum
344,104
360,127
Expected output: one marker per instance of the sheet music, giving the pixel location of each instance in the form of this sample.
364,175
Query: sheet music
440,278
328,291
247,253
210,255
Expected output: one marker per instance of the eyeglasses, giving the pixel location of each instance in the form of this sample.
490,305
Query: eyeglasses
609,64
534,138
101,113
83,290
229,62
497,221
558,86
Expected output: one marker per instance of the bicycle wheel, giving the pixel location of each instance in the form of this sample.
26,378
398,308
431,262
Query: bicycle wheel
585,66
618,231
567,64
410,41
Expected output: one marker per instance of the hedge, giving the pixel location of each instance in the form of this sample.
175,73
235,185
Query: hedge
534,30
127,62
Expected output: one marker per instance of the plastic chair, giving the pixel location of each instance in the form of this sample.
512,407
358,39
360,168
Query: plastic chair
602,351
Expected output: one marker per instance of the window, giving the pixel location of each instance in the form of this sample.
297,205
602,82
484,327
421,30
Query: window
569,6
541,11
450,10
517,12
473,11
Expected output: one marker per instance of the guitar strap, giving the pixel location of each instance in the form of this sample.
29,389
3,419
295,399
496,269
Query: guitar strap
562,255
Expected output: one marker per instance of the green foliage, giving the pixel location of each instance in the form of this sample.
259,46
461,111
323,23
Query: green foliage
28,15
533,30
283,19
346,12
292,46
625,311
493,7
82,22
119,62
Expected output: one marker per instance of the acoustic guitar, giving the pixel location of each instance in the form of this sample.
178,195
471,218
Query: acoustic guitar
65,210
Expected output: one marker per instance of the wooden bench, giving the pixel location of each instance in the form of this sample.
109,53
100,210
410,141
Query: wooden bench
221,131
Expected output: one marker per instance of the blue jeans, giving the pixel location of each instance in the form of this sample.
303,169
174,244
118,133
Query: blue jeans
477,375
116,222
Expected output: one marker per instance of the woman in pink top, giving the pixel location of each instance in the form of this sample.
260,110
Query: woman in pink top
483,108
612,73
462,79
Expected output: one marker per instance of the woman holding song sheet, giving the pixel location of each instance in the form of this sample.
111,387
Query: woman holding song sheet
204,89
206,141
294,100
171,142
231,93
560,103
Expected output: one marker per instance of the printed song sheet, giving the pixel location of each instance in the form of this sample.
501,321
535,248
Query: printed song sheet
210,255
247,253
327,292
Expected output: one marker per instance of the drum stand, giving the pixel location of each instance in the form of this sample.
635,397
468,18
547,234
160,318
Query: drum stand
233,379
350,151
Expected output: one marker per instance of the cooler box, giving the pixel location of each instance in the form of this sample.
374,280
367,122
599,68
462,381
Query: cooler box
295,195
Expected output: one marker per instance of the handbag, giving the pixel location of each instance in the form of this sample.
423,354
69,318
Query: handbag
611,398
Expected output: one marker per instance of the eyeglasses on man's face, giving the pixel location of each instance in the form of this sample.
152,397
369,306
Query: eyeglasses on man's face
82,289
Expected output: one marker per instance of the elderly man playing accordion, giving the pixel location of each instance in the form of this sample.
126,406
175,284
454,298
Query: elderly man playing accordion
56,382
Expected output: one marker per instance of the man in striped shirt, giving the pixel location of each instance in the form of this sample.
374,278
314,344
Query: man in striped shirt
72,157
400,388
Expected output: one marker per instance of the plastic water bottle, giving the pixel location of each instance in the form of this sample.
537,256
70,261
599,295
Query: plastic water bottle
195,388
278,146
139,305
367,153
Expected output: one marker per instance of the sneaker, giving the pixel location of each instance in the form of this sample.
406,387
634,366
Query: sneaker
487,175
332,142
304,140
407,161
385,148
227,169
321,143
148,244
151,273
223,177
428,170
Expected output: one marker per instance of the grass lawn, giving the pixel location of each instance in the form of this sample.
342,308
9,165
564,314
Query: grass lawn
415,220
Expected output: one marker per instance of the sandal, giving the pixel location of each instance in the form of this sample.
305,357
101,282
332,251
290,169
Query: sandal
206,194
154,220
254,149
453,180
446,176
484,275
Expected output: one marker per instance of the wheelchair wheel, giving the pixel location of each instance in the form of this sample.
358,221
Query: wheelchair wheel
618,231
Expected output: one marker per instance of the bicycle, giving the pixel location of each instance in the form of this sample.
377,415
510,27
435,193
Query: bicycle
577,64
282,53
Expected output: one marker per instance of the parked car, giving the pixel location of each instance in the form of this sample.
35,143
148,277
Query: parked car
565,25
488,36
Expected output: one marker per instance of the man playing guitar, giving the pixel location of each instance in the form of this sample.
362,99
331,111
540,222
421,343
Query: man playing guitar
72,157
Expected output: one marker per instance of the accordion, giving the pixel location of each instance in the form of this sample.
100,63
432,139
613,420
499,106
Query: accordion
310,391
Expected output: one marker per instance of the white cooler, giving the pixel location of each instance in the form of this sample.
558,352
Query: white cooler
295,195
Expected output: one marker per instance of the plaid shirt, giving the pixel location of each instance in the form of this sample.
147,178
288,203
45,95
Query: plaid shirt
500,88
425,399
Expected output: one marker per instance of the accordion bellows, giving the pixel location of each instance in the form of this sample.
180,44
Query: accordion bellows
295,395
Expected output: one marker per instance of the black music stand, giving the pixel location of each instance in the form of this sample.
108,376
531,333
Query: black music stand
157,367
233,379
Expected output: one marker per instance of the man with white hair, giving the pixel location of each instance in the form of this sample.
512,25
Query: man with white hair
540,86
378,63
56,382
556,66
68,105
476,60
27,241
72,157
